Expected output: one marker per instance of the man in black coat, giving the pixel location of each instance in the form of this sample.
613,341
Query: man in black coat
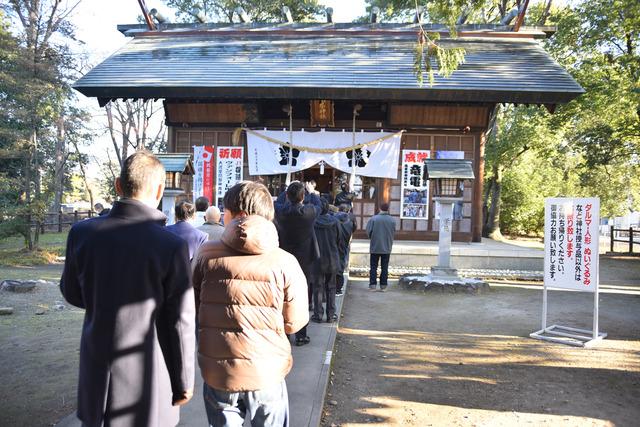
327,229
295,232
347,228
133,278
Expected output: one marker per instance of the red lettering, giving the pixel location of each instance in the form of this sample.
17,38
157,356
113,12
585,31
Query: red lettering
236,153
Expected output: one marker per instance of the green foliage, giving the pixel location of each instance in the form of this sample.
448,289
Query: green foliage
589,147
36,67
443,11
445,60
258,10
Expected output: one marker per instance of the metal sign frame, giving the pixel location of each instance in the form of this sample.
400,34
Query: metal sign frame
565,334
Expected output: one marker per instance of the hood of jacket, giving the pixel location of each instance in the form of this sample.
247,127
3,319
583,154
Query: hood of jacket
251,235
324,221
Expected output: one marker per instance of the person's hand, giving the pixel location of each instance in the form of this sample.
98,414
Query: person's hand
182,398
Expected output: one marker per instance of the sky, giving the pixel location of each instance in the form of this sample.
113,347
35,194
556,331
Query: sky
96,21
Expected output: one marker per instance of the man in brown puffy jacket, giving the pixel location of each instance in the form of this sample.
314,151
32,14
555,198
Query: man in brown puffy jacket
250,295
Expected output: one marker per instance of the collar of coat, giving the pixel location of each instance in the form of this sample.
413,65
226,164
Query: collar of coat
251,235
135,210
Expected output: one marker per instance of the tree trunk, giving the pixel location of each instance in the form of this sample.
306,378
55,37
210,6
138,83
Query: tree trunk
493,227
545,13
83,172
38,195
27,191
485,208
60,160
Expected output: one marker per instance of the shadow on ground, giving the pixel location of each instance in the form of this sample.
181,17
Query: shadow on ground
409,358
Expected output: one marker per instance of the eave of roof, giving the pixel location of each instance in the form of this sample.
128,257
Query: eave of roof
176,162
319,65
351,29
448,168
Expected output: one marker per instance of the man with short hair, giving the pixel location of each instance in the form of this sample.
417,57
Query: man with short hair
250,294
295,230
133,279
212,225
100,210
344,197
202,204
195,238
380,230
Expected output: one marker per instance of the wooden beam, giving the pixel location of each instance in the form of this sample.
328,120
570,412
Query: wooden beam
147,17
520,19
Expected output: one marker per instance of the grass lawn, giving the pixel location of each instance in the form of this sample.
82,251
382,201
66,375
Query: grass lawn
14,254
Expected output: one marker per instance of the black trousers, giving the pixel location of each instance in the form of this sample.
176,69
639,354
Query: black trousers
384,270
303,332
339,282
324,289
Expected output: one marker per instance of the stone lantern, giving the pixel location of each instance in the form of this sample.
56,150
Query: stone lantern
449,176
176,165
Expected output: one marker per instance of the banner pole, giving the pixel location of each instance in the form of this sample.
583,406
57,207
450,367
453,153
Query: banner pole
288,180
596,300
544,307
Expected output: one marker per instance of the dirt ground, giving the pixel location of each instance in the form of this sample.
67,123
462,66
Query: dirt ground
402,358
39,352
424,359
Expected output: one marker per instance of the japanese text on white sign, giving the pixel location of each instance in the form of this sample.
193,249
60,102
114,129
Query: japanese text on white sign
229,170
571,243
415,189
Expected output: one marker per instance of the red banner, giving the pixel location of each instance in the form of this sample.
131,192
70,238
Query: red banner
203,160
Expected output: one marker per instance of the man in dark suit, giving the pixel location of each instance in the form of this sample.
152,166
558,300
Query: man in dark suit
295,232
133,278
185,212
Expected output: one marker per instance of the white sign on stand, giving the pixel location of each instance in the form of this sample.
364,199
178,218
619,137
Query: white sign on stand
571,245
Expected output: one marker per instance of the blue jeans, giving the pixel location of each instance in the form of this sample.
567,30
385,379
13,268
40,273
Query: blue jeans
268,407
384,270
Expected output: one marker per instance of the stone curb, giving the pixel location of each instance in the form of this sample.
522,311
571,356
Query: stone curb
485,274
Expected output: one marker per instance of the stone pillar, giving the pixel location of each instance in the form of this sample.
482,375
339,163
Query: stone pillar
444,238
169,203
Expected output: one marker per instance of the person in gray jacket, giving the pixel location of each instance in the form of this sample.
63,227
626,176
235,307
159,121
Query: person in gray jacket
380,230
212,224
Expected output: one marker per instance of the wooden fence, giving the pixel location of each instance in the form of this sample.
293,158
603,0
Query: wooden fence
624,235
55,222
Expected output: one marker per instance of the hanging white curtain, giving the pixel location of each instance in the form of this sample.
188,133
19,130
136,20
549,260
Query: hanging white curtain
377,154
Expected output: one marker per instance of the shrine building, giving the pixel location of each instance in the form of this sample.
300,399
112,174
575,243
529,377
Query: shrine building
345,96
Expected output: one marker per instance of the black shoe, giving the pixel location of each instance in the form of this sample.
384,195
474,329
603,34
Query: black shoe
339,293
302,341
316,319
332,318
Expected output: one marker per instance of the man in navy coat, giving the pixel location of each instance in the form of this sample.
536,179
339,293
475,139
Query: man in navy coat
185,212
133,278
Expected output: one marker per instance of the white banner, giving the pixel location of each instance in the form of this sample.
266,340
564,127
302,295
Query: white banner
571,241
380,159
415,189
228,169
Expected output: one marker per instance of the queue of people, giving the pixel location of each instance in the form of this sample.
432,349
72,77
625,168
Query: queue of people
248,286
